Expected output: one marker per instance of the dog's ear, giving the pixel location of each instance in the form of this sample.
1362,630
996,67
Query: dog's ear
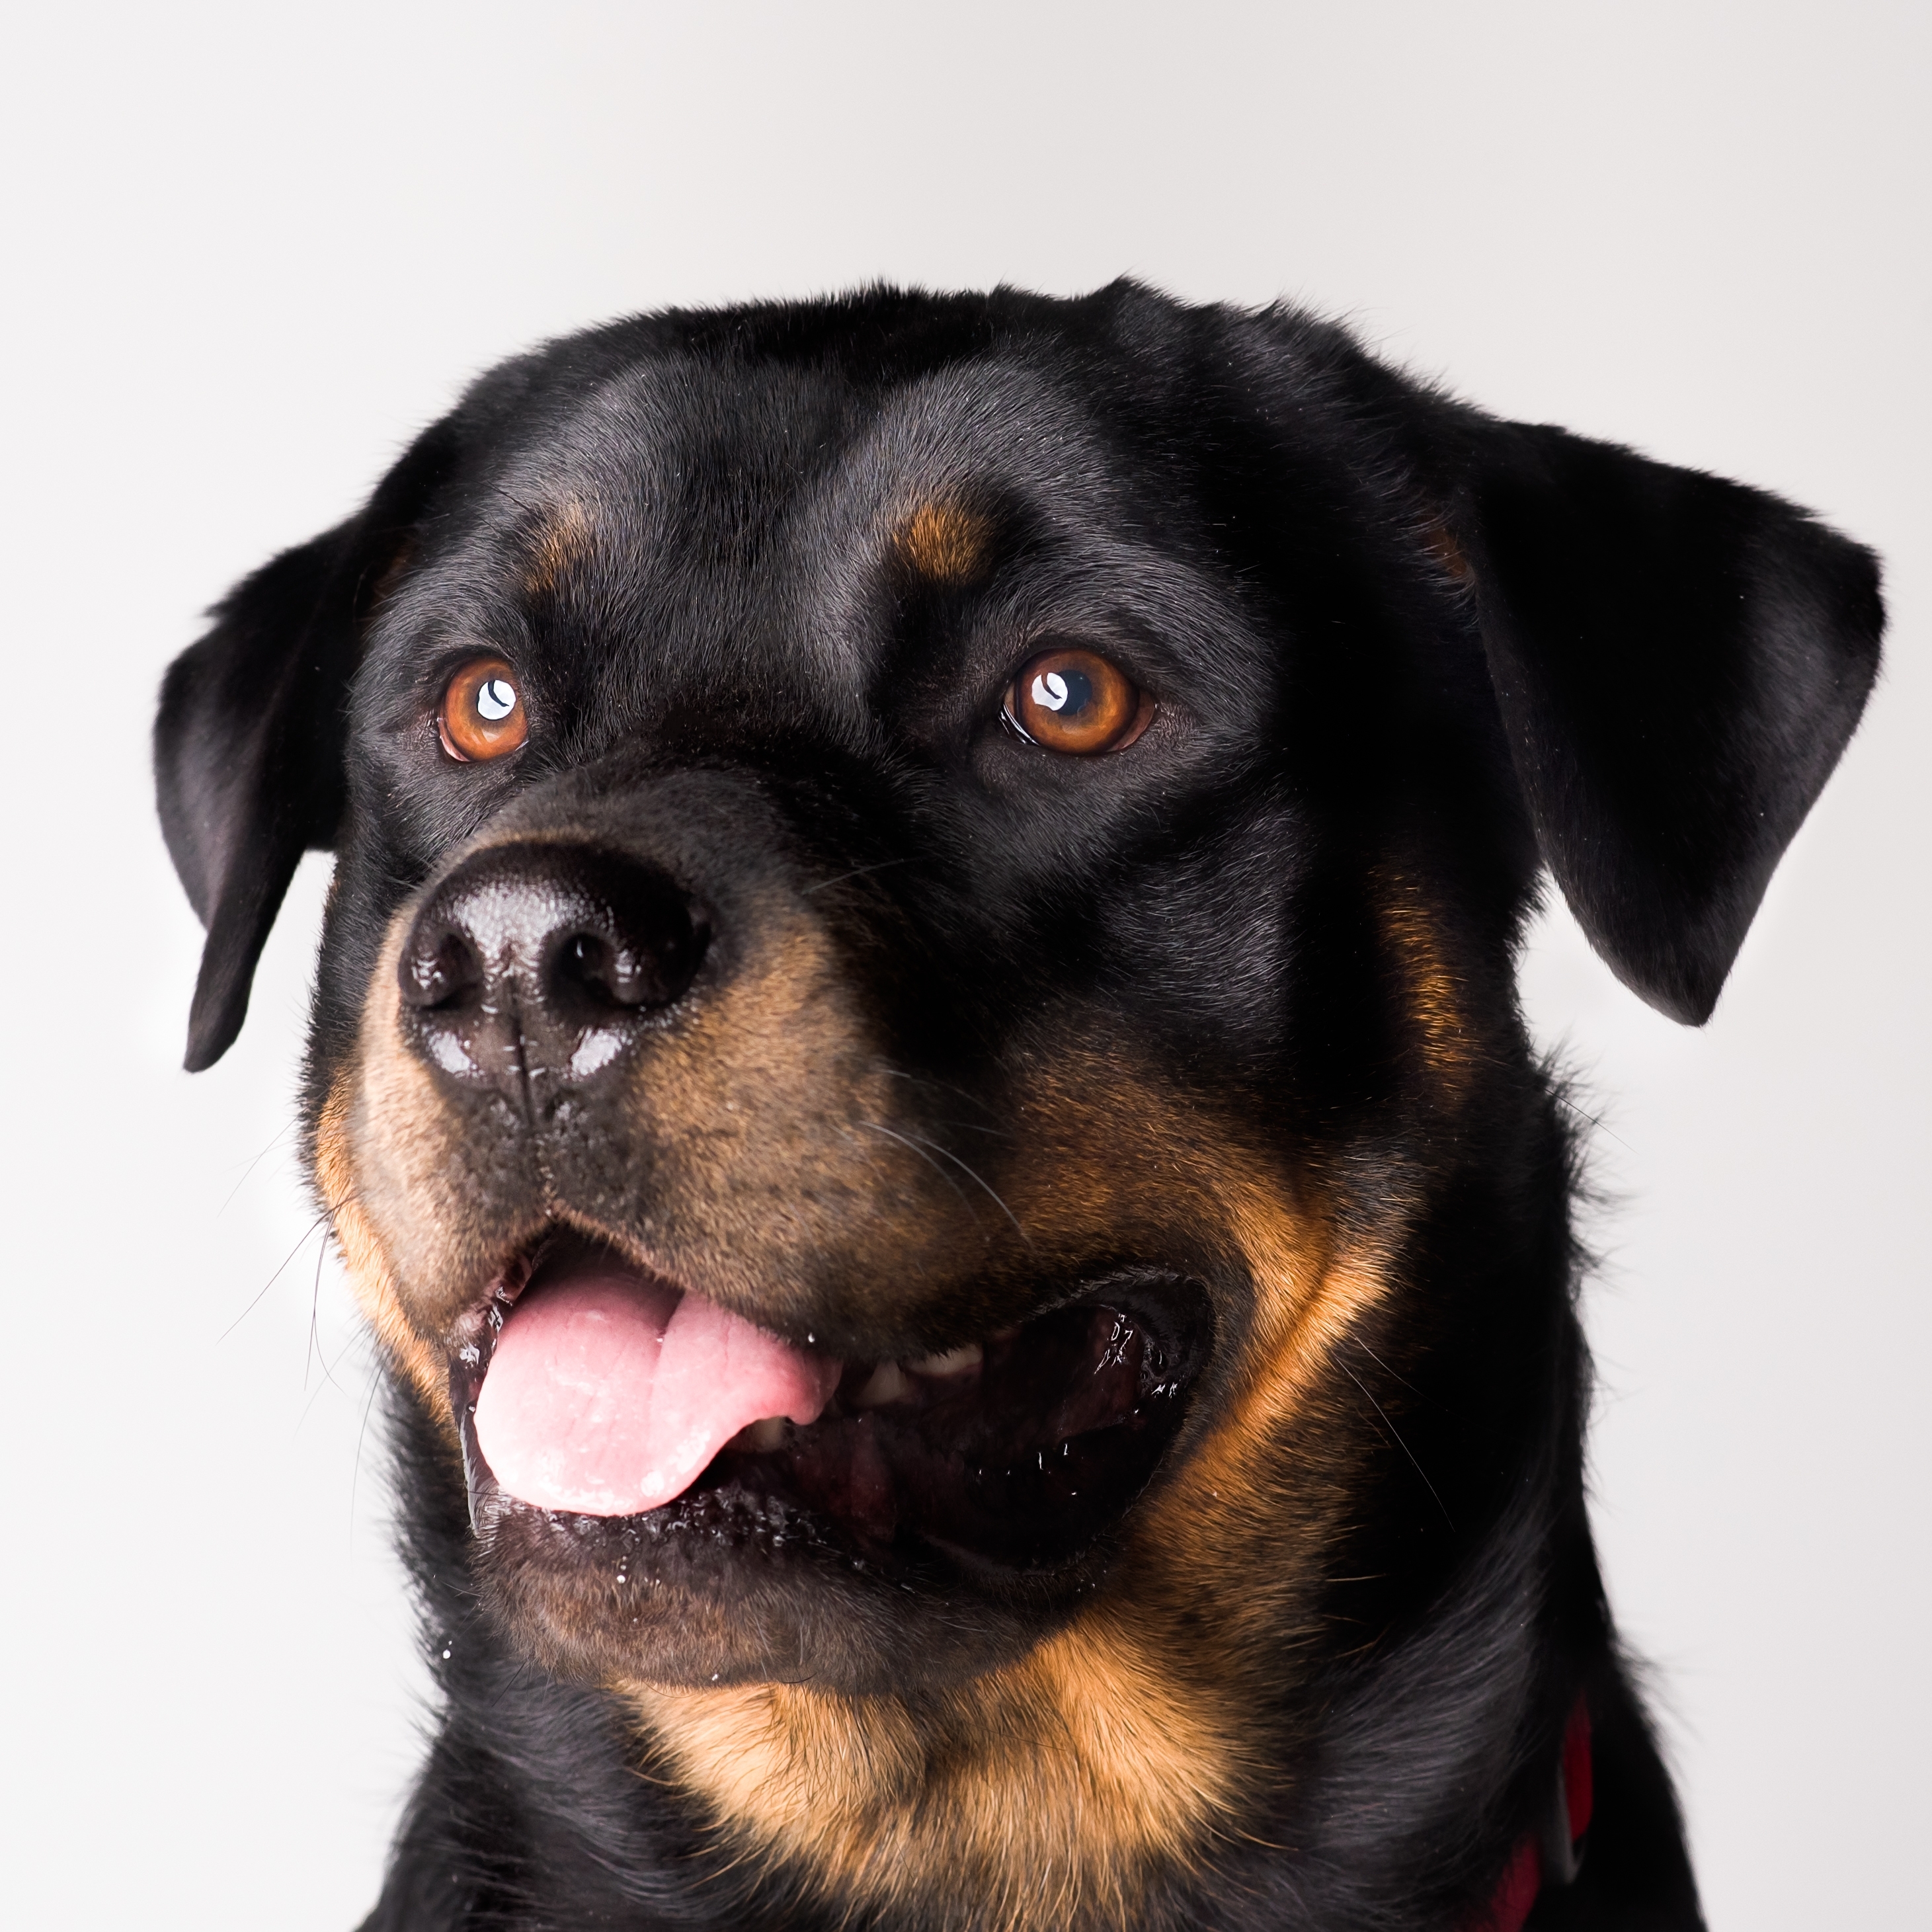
1678,662
249,739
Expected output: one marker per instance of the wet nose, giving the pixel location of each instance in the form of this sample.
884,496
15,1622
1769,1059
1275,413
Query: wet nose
534,965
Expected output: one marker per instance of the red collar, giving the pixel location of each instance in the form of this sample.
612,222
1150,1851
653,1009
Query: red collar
1553,1852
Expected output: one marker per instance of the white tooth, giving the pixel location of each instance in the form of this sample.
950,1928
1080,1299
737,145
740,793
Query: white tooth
760,1436
954,1362
886,1383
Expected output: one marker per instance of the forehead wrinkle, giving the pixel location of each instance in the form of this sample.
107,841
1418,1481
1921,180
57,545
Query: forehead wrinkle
735,460
674,447
992,424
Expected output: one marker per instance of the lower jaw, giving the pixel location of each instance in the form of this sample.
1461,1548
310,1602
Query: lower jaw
726,1587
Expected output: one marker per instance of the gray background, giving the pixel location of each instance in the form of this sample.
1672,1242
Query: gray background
248,250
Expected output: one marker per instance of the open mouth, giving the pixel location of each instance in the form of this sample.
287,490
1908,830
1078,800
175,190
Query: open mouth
594,1391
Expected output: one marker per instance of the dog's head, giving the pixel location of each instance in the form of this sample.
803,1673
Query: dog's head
922,933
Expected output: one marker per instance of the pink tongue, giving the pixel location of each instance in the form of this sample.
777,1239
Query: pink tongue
607,1395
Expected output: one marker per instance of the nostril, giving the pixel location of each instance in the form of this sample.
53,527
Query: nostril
440,971
621,963
588,965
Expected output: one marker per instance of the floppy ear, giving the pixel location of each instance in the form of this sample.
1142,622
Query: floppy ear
1679,662
249,740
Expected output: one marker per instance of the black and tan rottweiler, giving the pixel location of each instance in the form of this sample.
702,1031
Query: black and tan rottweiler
915,1063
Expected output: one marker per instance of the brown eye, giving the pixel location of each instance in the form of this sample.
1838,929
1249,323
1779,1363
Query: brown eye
483,715
1074,700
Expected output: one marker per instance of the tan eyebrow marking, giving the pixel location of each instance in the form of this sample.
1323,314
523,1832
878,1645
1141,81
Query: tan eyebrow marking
561,542
947,543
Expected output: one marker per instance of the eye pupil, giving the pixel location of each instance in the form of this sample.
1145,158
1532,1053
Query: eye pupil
497,699
1049,688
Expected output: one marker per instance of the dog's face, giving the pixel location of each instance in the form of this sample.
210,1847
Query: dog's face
922,935
829,924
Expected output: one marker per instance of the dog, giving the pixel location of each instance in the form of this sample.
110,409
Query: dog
915,1064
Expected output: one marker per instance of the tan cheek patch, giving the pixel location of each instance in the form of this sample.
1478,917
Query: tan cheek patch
1117,1161
758,1102
946,544
369,1274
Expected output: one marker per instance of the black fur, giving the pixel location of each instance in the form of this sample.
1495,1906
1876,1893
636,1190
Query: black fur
1400,631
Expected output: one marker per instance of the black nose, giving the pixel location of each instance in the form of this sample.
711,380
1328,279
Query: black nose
533,965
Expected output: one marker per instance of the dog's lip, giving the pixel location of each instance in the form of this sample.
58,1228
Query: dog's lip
1170,1311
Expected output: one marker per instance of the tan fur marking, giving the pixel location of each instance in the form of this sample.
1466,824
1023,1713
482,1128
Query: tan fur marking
368,1269
1044,1791
947,544
565,541
769,1113
1442,546
1311,1297
1435,996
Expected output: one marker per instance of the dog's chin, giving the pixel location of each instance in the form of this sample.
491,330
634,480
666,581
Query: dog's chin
932,1521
